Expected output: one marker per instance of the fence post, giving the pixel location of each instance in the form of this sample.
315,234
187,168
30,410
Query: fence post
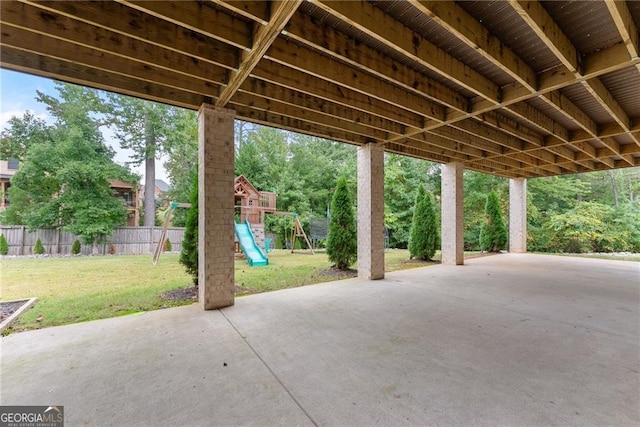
22,237
58,242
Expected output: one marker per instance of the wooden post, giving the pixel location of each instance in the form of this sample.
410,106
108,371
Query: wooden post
58,242
22,237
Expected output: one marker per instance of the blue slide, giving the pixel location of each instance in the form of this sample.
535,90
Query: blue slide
255,255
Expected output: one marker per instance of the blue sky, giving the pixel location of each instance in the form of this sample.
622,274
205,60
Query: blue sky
18,94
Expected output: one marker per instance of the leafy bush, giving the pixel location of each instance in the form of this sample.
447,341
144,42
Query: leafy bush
167,245
4,246
493,234
594,227
424,238
38,249
342,246
189,254
75,247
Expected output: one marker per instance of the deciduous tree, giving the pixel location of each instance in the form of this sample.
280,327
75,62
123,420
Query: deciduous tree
63,180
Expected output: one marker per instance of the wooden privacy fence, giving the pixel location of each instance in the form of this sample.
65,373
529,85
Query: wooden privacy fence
124,240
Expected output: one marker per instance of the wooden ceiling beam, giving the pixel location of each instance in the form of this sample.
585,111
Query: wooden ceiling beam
617,164
571,111
275,73
540,121
465,28
552,35
374,22
510,126
73,53
539,20
554,169
498,169
416,152
257,11
200,17
271,119
597,89
626,26
297,99
58,69
605,61
252,101
607,130
461,137
140,26
492,135
333,43
629,149
86,56
440,142
302,59
262,40
48,24
434,149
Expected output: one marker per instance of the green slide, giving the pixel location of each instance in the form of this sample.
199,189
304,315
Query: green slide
255,255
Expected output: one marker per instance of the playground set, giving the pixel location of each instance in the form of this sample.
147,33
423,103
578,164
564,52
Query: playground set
251,207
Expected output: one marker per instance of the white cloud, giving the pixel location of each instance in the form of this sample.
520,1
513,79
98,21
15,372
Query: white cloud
5,116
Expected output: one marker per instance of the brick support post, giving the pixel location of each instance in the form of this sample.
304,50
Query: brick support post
216,281
371,211
518,215
452,214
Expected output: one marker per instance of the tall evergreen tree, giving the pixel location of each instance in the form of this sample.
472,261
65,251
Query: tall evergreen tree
493,234
342,240
189,254
425,237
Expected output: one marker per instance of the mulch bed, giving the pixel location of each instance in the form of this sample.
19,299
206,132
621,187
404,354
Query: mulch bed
335,272
190,293
419,261
8,308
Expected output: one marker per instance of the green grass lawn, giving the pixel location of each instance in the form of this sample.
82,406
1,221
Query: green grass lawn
78,289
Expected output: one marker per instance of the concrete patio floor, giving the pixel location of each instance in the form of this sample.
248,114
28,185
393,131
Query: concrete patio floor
513,339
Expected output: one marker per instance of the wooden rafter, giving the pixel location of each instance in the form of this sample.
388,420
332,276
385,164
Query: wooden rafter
538,19
262,40
626,27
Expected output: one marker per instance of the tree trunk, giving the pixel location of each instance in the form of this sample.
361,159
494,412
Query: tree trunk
614,187
149,175
94,250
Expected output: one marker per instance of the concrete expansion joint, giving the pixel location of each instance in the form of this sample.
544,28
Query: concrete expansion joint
266,365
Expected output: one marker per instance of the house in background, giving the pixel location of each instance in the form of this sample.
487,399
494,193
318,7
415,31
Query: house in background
7,169
159,190
129,193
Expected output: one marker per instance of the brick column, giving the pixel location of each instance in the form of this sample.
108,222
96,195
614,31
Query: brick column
518,215
216,281
371,211
452,214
